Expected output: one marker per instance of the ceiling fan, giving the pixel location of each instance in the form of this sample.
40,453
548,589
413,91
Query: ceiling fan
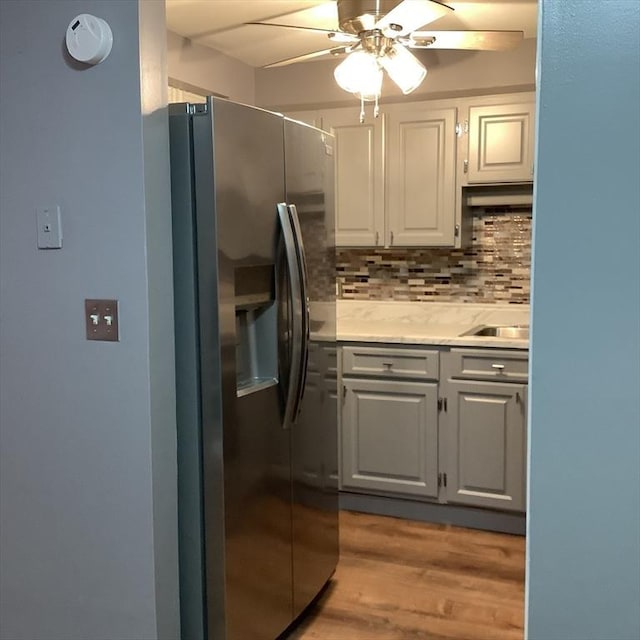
377,35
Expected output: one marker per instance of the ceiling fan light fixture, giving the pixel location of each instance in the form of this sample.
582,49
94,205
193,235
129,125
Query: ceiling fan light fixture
403,68
361,74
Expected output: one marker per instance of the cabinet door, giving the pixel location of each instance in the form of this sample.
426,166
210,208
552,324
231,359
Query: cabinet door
501,139
486,444
390,437
359,178
421,156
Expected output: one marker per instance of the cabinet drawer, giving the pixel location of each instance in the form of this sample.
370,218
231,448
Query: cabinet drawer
489,364
391,363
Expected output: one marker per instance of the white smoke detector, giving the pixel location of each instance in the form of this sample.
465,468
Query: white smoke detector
89,39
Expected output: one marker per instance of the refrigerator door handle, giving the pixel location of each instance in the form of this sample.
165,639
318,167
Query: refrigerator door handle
298,324
302,267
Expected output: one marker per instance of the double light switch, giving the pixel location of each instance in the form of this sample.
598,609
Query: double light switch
101,319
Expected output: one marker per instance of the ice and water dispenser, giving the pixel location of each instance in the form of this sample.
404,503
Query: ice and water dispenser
256,328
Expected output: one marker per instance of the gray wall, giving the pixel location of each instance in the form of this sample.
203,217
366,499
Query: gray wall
583,568
450,74
194,65
87,455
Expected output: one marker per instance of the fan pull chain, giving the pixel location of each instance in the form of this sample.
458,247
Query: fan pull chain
376,109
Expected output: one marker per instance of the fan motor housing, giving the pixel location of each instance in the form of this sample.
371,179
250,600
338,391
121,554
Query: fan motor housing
356,16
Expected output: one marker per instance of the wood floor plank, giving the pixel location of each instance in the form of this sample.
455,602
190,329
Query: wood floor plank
405,580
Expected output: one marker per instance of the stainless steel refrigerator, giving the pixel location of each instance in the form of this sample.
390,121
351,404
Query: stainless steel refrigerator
255,366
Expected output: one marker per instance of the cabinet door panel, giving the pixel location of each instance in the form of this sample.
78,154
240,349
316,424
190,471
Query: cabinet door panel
501,143
359,178
421,184
332,476
483,423
390,437
486,444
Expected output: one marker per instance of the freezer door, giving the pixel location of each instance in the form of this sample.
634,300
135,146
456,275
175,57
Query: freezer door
239,179
309,186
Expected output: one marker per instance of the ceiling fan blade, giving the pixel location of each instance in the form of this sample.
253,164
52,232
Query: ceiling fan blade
308,56
289,26
410,15
336,36
470,40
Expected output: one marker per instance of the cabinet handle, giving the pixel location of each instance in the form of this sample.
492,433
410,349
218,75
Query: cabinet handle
387,365
465,167
391,238
518,397
498,367
377,238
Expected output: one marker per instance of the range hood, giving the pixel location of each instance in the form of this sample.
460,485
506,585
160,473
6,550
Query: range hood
496,195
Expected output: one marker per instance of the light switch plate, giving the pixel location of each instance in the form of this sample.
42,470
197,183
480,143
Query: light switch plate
49,227
101,320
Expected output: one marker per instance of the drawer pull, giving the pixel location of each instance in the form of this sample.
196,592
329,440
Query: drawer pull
387,365
498,367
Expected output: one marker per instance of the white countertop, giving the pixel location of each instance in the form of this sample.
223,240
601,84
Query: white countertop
435,323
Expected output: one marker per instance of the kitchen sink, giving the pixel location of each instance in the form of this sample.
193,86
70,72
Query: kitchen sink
517,331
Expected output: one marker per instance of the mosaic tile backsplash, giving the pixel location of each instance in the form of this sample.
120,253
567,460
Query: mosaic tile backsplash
496,267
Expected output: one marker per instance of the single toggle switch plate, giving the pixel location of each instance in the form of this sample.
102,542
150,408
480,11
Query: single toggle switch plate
101,320
49,227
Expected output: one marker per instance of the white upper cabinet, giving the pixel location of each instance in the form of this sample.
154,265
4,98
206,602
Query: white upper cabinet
359,177
501,142
395,176
399,178
421,162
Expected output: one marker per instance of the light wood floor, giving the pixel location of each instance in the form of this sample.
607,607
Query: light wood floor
403,580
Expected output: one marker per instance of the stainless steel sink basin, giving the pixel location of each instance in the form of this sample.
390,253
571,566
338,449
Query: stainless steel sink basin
518,332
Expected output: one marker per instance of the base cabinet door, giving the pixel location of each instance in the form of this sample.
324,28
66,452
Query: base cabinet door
485,442
390,437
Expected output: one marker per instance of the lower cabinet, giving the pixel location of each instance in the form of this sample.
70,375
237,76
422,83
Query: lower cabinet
486,444
315,459
444,425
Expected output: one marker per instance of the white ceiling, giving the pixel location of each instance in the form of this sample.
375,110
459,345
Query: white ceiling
220,24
